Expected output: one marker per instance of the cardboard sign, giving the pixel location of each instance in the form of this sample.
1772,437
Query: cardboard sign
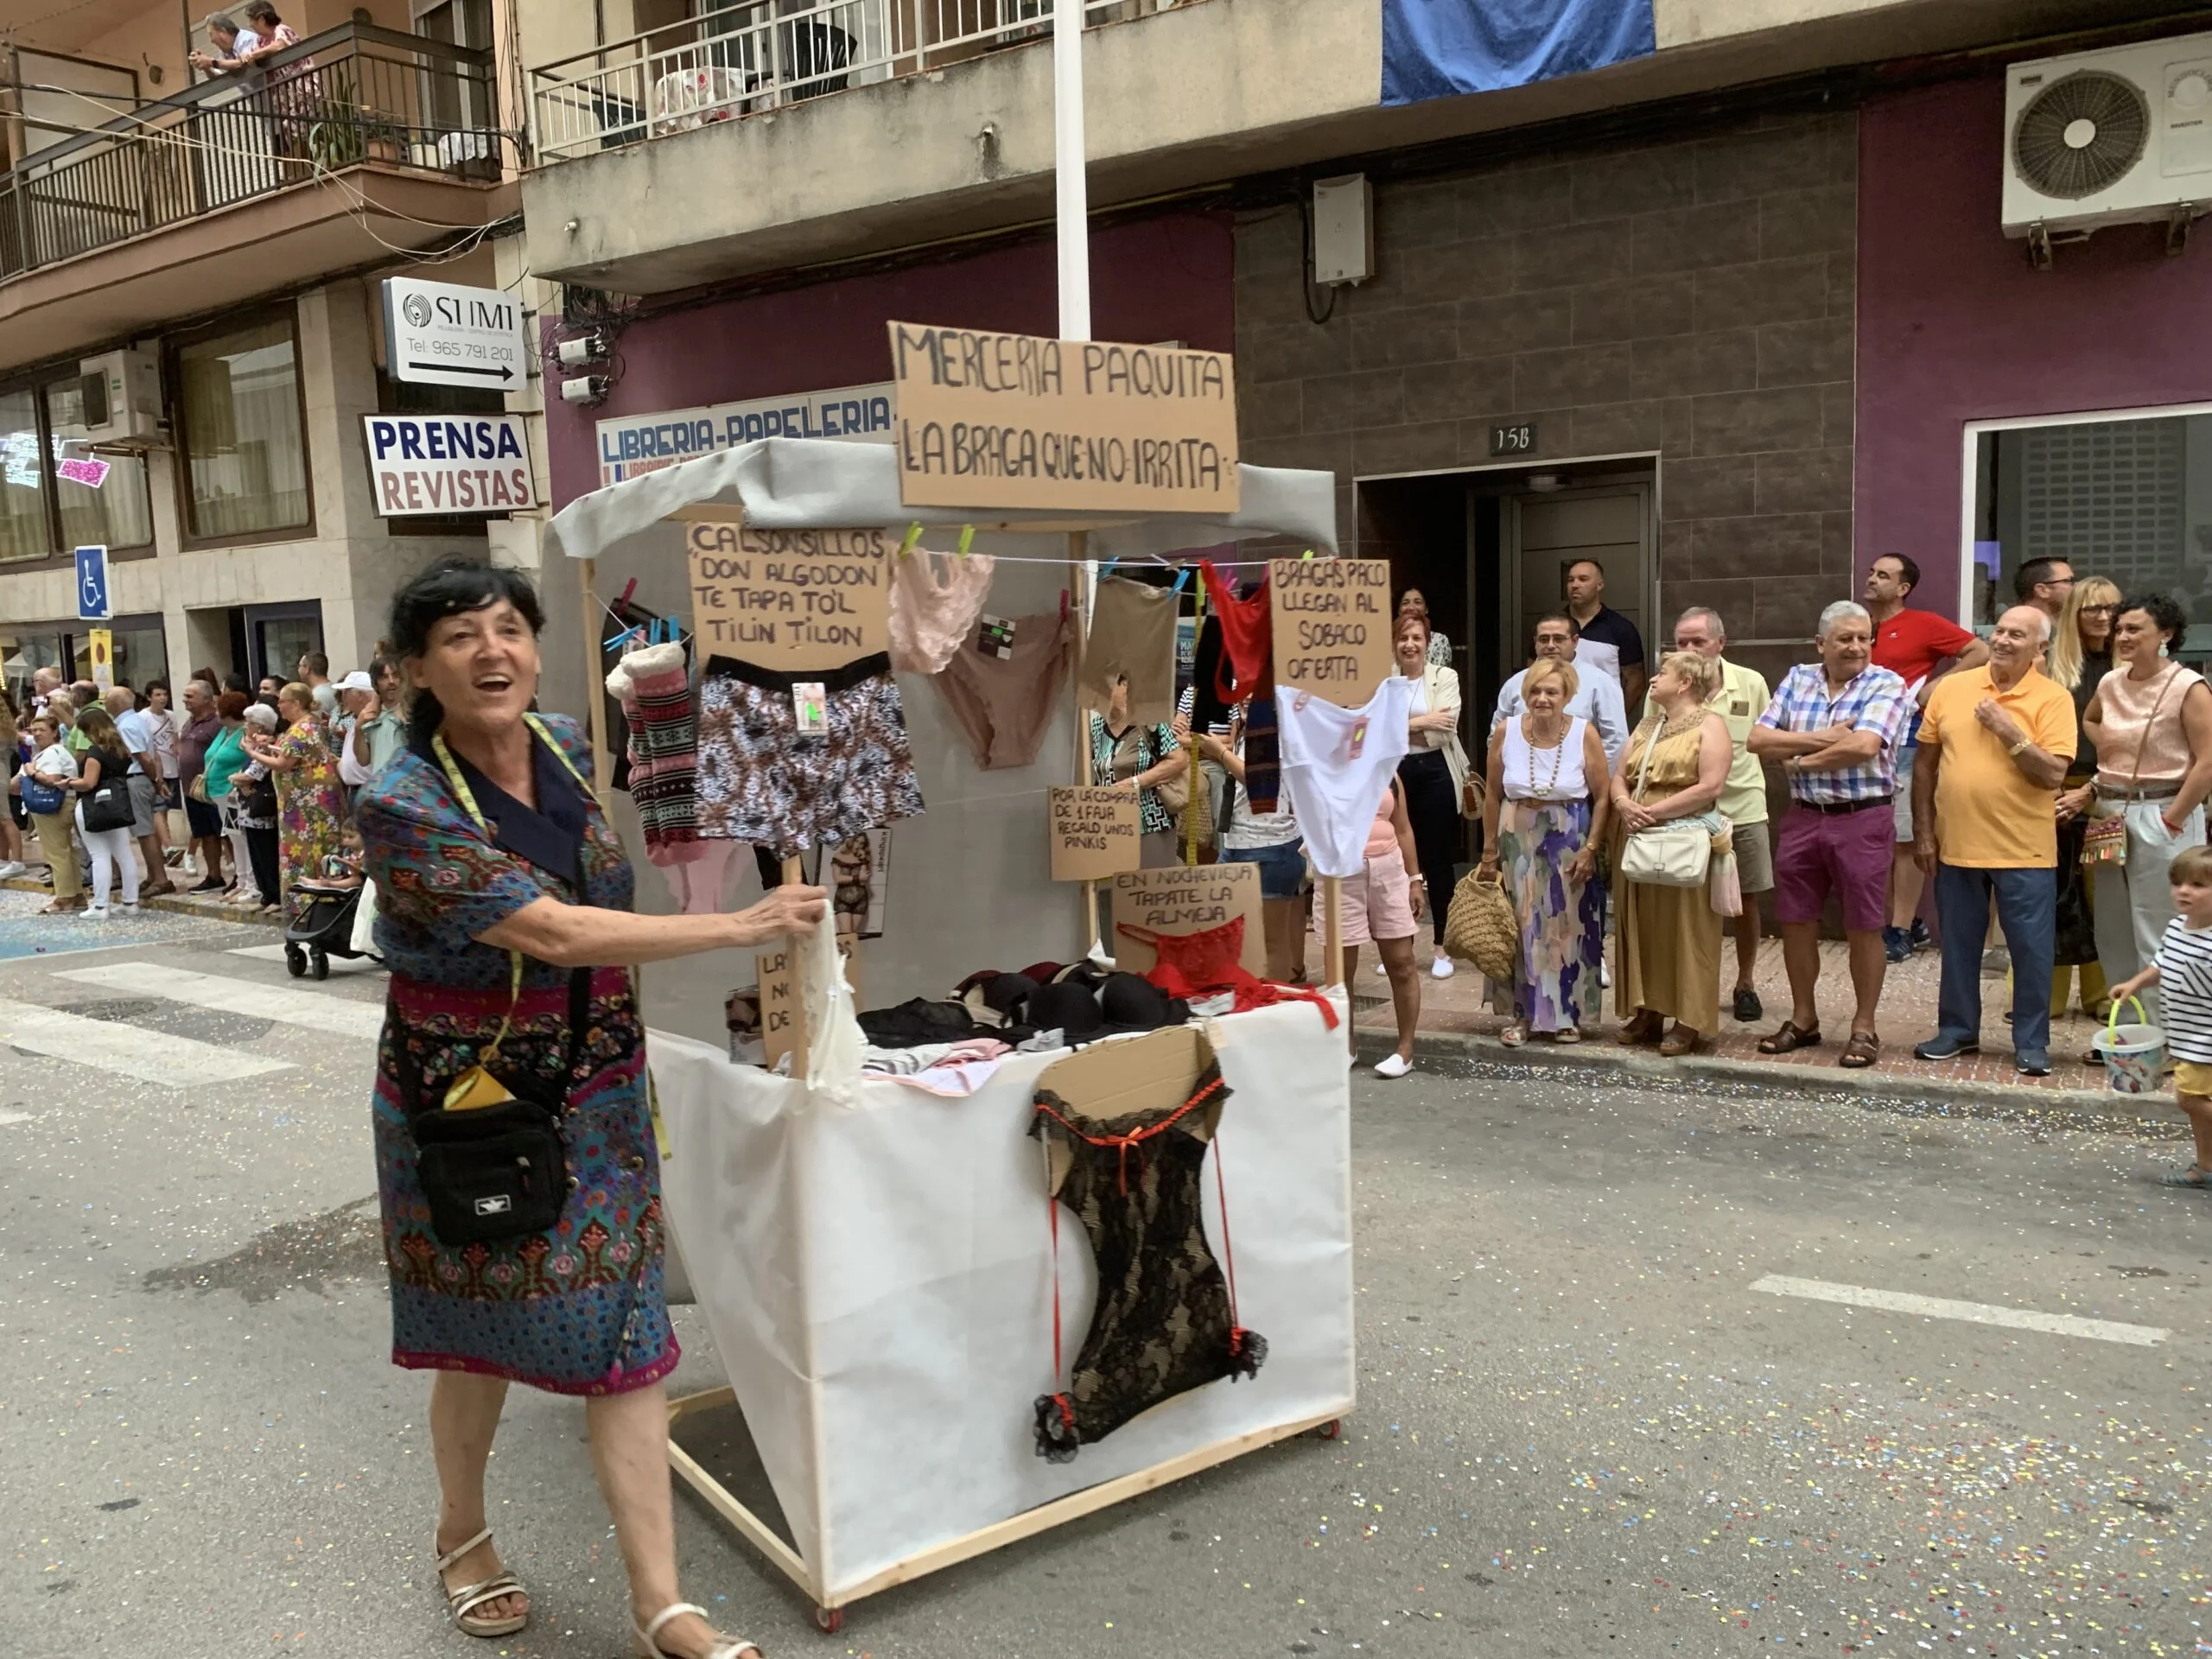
1096,832
790,599
1331,620
1187,900
984,420
782,1029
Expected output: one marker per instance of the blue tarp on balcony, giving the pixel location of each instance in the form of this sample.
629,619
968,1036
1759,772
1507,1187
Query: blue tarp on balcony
1439,48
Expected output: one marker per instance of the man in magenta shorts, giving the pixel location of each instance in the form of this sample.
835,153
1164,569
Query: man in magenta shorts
1833,727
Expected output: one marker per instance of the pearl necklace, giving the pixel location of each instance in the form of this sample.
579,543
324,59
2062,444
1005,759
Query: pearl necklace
1558,752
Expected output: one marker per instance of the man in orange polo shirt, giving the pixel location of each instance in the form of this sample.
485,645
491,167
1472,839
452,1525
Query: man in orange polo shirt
1994,743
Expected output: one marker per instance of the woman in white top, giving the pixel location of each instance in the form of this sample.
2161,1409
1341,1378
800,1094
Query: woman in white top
1433,772
1544,810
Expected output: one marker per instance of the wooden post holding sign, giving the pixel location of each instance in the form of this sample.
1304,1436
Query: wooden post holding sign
1332,620
1188,898
1096,832
1069,426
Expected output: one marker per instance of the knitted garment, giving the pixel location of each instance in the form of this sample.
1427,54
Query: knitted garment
655,689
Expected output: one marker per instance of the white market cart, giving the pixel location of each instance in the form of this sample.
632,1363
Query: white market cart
874,1264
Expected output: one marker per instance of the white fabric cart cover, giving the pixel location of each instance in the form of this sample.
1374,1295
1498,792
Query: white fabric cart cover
819,484
877,1277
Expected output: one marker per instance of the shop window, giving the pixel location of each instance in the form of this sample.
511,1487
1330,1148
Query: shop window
142,652
244,436
23,530
23,651
118,512
2128,499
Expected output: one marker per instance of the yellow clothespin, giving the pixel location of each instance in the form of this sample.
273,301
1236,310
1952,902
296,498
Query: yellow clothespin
1308,553
913,535
967,539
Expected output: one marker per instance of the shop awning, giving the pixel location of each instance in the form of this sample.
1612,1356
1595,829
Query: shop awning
818,484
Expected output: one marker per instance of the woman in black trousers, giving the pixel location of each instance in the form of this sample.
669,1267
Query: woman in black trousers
1433,772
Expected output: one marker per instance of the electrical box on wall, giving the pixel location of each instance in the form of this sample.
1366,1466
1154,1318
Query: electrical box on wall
1343,229
122,395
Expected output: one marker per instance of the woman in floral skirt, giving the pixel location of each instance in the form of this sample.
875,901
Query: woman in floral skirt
1544,810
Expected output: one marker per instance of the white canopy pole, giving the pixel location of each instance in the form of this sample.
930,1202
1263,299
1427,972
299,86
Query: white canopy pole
1067,167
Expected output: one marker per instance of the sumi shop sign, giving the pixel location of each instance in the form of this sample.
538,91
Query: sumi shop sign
987,420
790,599
447,463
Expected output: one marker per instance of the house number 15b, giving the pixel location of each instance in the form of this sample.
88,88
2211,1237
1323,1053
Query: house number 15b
1513,440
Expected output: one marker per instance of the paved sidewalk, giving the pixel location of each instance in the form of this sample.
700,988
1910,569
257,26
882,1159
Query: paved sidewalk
180,902
1455,1008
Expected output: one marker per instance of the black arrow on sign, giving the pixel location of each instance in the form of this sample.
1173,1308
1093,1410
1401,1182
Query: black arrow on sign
503,372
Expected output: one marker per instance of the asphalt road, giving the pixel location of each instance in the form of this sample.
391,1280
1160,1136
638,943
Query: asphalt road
1583,1428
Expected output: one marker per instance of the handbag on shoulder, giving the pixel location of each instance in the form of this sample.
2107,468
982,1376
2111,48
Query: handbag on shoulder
107,805
1670,854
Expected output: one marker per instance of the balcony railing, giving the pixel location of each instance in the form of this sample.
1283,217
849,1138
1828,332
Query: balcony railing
350,95
755,55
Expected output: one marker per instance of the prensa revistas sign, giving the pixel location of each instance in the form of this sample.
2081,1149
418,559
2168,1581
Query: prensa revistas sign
423,464
986,420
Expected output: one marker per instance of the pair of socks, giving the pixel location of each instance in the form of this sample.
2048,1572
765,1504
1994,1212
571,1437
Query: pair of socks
653,685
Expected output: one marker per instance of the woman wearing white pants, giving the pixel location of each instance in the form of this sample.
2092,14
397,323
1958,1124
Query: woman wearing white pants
108,849
2151,722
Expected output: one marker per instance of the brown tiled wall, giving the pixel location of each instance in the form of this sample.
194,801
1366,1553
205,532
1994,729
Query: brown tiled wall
1692,297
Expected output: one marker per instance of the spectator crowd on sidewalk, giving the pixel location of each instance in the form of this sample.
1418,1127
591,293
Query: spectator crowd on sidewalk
222,793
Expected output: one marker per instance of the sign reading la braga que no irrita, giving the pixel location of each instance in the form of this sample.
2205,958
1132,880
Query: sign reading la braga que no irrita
987,420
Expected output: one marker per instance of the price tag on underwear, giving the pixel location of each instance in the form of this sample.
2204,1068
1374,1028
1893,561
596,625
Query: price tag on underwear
810,702
994,637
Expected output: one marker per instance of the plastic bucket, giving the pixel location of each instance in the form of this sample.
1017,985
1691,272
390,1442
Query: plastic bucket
2134,1054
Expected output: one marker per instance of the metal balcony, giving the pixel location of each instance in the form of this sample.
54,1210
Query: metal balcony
348,98
758,55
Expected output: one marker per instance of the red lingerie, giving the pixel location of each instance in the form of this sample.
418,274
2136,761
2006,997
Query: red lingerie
1247,638
1202,963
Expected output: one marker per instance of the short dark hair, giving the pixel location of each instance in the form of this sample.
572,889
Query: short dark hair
1908,566
1595,564
1573,626
2165,611
2032,575
452,587
316,662
257,10
238,683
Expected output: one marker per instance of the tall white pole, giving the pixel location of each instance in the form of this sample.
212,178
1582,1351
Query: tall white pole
1067,164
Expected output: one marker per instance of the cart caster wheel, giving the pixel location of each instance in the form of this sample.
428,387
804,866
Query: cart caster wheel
829,1620
1330,1430
296,961
322,962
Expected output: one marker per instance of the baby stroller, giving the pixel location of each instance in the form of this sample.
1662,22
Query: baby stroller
318,926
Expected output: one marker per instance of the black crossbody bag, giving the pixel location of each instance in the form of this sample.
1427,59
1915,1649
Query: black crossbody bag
499,1171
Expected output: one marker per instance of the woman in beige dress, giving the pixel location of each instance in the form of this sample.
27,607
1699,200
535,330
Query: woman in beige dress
1670,952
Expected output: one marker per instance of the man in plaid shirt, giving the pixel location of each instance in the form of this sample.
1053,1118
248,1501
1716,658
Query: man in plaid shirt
1833,727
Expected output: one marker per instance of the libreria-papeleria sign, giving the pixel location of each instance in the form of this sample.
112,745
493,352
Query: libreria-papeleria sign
447,463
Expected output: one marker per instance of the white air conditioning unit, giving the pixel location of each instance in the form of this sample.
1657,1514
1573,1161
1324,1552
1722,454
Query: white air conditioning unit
2113,138
123,395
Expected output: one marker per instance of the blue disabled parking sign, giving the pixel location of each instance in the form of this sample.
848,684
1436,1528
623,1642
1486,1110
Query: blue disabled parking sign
92,584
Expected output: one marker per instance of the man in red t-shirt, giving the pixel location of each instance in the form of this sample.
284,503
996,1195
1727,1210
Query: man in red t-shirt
1921,647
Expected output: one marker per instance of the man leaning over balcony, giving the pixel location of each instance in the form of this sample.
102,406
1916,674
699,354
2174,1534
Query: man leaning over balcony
233,46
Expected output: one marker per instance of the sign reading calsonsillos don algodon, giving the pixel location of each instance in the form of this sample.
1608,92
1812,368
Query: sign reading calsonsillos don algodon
422,464
987,420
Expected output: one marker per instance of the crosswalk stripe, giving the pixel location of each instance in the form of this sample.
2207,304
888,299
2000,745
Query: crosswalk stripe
148,1056
290,1005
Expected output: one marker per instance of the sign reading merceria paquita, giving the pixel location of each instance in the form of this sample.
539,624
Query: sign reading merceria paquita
445,334
447,463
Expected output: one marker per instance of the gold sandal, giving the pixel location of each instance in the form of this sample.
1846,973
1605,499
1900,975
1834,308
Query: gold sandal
718,1646
461,1604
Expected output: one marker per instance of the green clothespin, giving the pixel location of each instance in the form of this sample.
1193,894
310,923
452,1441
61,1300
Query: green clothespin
967,539
913,535
1308,553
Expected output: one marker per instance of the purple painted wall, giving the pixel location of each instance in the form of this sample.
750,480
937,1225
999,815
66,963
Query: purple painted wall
1165,278
1955,326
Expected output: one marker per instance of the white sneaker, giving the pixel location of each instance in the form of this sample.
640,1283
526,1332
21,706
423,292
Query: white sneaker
1393,1066
95,912
11,867
128,907
1442,968
1604,973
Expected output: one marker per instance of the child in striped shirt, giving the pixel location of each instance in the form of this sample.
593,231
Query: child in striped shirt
2183,972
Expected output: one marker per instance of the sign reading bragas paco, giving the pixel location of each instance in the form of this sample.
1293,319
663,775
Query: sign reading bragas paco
1332,622
789,599
987,420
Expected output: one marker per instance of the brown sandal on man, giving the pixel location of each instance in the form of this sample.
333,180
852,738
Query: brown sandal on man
1861,1051
1791,1038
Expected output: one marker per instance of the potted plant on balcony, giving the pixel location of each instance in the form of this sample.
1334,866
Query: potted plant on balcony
337,131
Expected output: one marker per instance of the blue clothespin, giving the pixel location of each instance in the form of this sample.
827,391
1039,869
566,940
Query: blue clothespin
1182,576
1107,568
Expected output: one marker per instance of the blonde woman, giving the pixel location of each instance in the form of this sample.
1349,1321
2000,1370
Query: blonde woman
1544,812
2081,657
1674,767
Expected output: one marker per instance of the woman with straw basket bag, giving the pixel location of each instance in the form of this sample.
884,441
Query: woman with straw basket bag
1545,807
